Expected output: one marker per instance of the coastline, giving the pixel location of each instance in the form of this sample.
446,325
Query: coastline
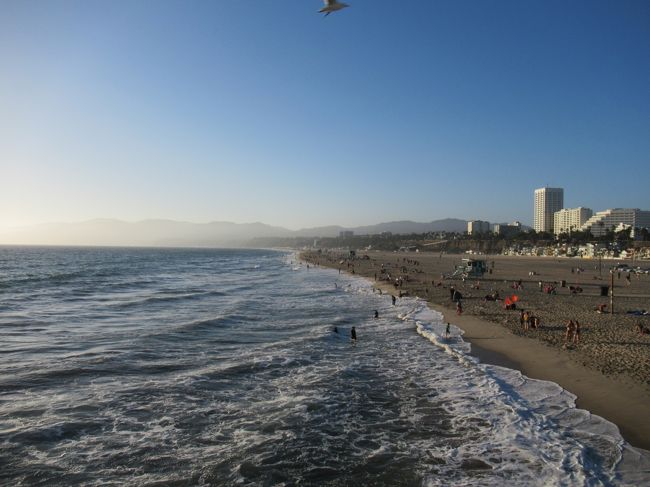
618,399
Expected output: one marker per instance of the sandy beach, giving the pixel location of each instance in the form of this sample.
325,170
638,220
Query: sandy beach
608,369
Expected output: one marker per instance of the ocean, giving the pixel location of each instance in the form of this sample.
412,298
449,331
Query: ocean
196,367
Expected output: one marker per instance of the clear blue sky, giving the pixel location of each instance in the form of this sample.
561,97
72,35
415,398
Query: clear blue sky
261,110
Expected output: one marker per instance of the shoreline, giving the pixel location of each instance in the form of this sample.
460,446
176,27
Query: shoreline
617,399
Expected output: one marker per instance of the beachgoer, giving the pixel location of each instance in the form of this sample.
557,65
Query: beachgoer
459,308
526,318
353,334
376,314
576,332
393,298
568,336
452,290
448,330
335,330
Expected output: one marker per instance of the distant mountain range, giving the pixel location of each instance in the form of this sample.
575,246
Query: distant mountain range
170,233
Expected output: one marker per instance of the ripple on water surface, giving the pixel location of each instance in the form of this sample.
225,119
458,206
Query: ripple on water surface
211,367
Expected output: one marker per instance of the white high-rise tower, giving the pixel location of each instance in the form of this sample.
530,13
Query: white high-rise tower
547,202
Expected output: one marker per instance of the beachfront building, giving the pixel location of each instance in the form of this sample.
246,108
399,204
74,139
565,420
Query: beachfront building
477,227
568,219
547,202
617,219
507,230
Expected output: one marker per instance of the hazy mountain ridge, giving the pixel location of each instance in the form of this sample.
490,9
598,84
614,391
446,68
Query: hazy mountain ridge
171,233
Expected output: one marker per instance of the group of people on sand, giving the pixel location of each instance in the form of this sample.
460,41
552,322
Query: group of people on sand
572,335
641,329
527,320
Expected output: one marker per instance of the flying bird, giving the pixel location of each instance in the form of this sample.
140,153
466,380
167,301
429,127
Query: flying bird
332,6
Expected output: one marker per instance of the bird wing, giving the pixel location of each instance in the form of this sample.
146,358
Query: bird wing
329,3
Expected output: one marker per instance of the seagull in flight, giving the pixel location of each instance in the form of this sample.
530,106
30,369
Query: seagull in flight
332,6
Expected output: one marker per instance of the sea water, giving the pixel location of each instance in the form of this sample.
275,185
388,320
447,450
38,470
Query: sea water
222,367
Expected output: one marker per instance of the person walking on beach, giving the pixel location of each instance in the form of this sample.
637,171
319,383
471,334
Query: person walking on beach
568,337
353,335
452,290
448,330
576,332
526,318
459,308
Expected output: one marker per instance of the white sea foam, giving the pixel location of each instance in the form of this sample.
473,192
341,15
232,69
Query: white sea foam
248,383
537,435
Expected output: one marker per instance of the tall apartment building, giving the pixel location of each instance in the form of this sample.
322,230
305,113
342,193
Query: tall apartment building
569,219
617,219
547,202
477,226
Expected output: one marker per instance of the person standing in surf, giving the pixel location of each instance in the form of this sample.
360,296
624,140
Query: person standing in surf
353,335
448,330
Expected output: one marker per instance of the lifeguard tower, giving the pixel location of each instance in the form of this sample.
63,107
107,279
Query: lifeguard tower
470,268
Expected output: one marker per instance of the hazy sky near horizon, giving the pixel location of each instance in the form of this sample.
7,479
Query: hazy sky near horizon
260,110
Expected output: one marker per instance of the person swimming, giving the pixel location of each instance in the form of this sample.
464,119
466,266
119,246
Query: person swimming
376,314
353,334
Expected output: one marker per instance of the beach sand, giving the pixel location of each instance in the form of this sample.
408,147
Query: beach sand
608,370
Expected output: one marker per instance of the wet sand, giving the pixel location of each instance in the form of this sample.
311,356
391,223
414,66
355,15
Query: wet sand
608,370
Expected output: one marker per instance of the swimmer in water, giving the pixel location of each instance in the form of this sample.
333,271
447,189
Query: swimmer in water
376,314
335,330
353,334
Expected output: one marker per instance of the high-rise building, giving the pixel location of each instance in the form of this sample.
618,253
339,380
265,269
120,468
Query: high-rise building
617,219
477,226
547,202
569,219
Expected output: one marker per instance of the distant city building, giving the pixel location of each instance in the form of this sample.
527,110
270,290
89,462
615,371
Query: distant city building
617,219
477,226
507,230
547,202
569,219
346,233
